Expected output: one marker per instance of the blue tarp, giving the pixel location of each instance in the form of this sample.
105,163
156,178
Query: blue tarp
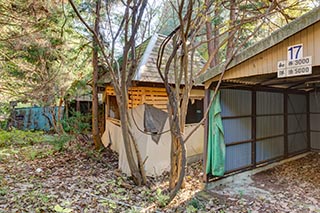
34,118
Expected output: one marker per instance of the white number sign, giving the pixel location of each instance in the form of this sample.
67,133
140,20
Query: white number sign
295,52
296,64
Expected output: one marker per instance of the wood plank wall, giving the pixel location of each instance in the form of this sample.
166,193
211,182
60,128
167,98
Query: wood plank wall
156,97
266,61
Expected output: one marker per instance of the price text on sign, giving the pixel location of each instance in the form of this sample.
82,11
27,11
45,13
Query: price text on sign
296,64
295,52
306,61
295,71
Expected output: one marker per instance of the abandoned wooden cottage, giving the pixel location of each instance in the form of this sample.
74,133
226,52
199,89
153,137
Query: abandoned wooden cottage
148,104
270,97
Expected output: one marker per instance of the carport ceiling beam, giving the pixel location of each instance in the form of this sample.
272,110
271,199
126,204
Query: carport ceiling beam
297,85
290,80
266,81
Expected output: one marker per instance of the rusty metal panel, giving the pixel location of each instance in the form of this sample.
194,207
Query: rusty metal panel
297,142
235,102
238,156
269,148
238,129
269,103
269,126
297,103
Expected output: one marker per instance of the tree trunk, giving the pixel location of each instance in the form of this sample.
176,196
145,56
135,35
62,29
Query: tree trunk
60,114
209,34
77,104
56,118
175,159
178,152
216,34
231,36
124,120
178,160
95,112
139,158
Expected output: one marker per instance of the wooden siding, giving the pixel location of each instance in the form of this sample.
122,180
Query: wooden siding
156,97
266,61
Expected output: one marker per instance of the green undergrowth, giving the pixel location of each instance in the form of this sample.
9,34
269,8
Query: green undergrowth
20,138
31,144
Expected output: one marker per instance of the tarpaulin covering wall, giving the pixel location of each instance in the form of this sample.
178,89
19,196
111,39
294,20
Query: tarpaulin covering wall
216,146
157,155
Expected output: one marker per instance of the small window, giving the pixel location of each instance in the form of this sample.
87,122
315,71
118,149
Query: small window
113,108
195,111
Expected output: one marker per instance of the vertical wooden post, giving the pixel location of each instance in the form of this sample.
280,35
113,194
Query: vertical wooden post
308,123
253,127
102,118
77,104
285,122
143,96
206,126
107,102
66,102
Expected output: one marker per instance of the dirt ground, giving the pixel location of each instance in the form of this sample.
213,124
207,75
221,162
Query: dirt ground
78,179
291,187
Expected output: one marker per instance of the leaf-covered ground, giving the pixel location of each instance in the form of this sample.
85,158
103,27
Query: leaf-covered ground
38,178
46,177
291,187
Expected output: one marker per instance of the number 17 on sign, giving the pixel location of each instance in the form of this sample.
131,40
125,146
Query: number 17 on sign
295,52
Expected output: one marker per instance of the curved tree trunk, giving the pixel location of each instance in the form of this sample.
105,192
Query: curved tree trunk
178,150
59,117
181,170
124,121
178,159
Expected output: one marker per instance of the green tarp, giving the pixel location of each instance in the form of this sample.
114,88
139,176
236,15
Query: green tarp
216,147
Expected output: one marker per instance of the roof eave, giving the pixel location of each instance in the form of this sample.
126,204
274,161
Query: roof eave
276,37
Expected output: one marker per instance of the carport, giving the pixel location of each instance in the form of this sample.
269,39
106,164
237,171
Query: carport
270,97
